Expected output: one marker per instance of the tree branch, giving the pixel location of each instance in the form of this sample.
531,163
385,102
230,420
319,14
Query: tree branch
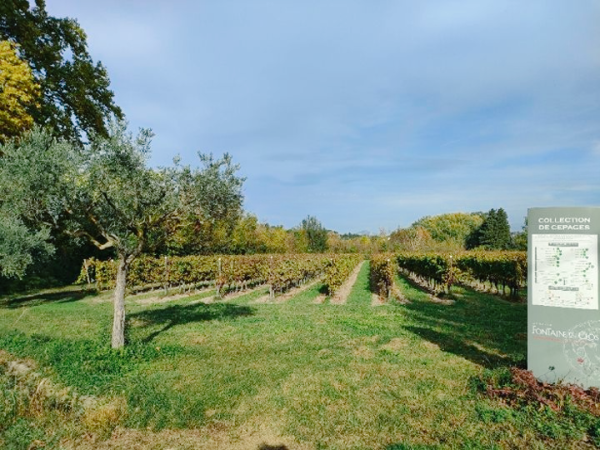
93,240
119,213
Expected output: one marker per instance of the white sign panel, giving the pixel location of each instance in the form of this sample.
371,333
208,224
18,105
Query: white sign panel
565,272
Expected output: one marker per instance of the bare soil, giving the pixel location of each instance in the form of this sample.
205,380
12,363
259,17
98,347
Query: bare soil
320,299
396,295
376,300
227,297
441,301
213,437
341,296
432,295
158,299
288,295
162,299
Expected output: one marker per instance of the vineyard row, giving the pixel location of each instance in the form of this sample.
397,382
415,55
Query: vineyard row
501,270
280,272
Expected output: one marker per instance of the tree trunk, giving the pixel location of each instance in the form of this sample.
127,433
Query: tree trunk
118,331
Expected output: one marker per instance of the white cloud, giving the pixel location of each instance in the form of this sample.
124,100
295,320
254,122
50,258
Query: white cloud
390,110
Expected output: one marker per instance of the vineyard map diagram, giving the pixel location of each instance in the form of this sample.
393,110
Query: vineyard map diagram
565,271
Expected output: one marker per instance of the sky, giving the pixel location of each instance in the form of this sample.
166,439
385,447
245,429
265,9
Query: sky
365,114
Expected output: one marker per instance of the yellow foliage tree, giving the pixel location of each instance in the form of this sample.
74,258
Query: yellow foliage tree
18,93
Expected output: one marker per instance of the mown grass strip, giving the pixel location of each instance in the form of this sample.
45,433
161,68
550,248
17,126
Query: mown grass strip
323,376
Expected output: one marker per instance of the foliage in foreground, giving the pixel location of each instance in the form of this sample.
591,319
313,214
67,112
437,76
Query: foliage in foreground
36,412
556,410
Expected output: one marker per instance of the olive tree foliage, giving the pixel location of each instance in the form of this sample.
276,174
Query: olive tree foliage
106,193
316,235
20,246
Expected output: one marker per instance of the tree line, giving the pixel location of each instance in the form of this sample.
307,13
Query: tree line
460,231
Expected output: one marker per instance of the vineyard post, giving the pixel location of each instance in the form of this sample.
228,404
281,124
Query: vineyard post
218,278
232,275
86,263
166,277
451,276
271,291
96,277
388,286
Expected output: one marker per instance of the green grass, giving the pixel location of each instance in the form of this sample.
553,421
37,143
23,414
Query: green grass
321,376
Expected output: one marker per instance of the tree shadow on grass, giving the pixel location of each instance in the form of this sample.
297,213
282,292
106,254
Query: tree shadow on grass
63,296
175,315
479,327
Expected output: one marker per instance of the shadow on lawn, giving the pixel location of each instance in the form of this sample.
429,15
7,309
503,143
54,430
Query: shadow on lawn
63,296
479,327
172,316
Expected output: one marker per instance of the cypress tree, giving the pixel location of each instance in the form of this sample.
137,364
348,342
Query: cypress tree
487,230
503,239
494,233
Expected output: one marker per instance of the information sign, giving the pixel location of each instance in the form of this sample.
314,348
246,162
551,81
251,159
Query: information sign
563,313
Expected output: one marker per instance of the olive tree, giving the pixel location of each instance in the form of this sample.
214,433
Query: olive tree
315,234
106,193
20,246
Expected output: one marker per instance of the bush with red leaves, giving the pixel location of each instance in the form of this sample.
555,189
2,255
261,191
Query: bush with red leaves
524,389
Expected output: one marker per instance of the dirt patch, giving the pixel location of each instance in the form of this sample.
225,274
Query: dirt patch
159,299
197,339
353,343
341,296
432,294
376,300
395,345
227,297
395,296
237,294
320,299
215,436
263,299
102,298
205,300
288,295
441,301
363,352
138,323
431,345
399,296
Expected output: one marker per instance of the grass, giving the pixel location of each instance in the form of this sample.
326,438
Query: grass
294,374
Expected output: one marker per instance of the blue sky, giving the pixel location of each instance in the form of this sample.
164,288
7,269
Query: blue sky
365,114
